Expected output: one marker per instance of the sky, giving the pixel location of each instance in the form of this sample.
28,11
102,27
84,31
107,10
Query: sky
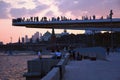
10,9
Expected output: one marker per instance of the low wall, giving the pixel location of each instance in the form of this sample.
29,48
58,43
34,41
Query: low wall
52,75
38,68
46,68
66,57
60,70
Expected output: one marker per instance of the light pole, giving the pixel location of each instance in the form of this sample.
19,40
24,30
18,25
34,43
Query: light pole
110,15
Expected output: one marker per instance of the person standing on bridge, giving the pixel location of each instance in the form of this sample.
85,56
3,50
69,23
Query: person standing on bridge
111,13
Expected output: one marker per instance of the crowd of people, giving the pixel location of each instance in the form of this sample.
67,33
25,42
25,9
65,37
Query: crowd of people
43,19
62,18
56,54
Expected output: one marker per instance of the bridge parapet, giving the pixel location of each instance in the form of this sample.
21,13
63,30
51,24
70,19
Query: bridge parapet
69,24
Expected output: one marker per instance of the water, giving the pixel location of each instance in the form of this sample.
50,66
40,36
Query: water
13,67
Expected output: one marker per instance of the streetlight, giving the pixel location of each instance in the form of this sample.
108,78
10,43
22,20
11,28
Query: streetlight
110,15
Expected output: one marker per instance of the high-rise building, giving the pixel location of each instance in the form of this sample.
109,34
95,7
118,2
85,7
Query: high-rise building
35,37
46,36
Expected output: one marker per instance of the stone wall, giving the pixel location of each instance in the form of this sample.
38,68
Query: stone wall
46,68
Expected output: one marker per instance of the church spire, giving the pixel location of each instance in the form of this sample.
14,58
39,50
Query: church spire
19,40
53,36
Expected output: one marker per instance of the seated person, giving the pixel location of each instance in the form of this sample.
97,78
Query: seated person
39,55
58,54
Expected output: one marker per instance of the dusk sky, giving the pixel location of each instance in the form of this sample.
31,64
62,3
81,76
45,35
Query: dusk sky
51,8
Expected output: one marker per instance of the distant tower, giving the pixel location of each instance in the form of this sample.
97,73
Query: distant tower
19,40
53,37
40,36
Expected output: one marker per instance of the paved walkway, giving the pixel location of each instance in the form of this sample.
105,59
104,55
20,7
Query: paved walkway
94,70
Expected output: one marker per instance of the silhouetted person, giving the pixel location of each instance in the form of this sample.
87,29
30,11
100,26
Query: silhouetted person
31,18
101,17
34,19
73,53
78,56
10,52
23,19
111,13
94,17
107,50
39,55
58,18
37,19
58,54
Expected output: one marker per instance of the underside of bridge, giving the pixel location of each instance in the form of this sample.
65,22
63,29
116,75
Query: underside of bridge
105,24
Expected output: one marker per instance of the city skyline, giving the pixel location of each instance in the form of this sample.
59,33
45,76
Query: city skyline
38,35
50,8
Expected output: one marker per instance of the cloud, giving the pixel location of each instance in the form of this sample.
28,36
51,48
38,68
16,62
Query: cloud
20,12
10,9
50,14
88,7
22,2
38,9
4,9
75,8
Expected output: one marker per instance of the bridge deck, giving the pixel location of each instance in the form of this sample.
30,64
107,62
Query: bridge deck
70,24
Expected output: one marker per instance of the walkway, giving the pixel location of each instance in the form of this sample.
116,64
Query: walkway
94,70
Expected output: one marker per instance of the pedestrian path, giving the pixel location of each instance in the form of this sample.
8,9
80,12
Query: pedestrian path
94,70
